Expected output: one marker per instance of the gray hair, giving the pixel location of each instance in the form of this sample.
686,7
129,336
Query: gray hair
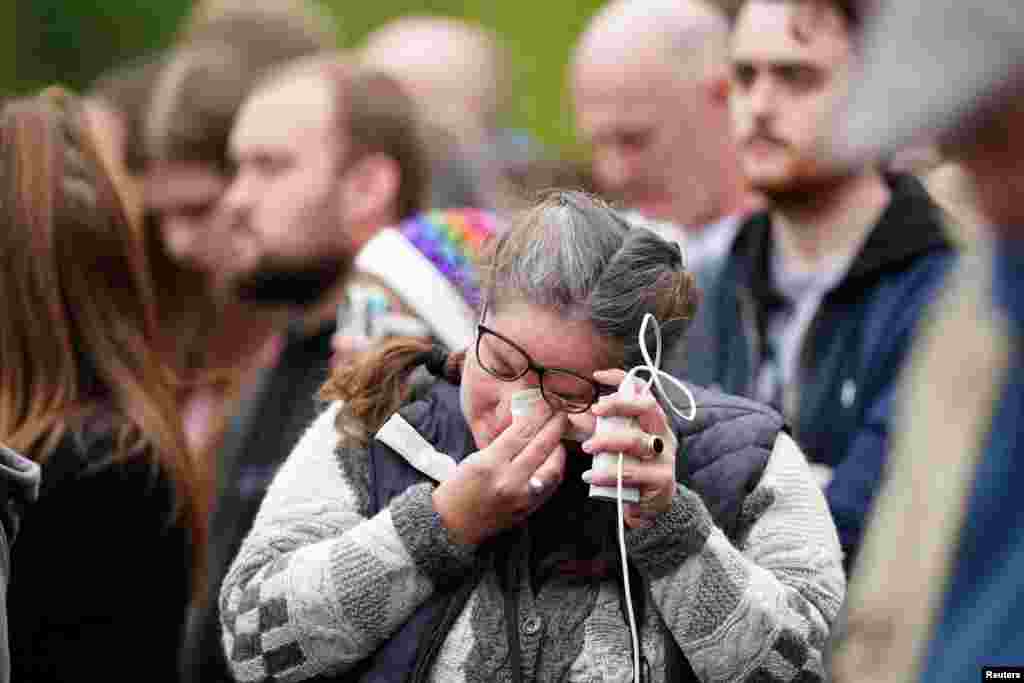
573,254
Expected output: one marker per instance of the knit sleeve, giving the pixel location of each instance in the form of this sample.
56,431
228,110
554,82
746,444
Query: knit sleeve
760,607
317,585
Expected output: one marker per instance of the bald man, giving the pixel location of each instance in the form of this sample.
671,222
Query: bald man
455,72
650,89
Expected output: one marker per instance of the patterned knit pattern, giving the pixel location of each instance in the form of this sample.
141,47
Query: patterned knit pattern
318,586
452,239
760,610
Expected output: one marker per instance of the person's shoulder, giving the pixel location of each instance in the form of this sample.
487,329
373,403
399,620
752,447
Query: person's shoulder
728,423
19,480
725,450
910,240
902,296
716,406
20,475
89,465
752,238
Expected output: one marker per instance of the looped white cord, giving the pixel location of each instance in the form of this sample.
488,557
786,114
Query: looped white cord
652,367
657,375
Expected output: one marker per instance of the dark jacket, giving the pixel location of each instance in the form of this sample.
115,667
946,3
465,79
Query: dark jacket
262,434
100,575
841,402
725,449
19,486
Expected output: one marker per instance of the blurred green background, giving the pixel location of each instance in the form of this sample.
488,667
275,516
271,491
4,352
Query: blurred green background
73,41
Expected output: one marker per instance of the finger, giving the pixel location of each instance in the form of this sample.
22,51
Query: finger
612,376
631,476
540,448
581,425
552,470
629,440
548,477
644,408
625,405
635,519
639,512
518,435
649,477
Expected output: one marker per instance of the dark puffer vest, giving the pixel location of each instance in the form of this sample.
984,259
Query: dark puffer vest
723,453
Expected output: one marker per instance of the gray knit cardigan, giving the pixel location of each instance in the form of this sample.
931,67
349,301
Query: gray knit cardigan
318,586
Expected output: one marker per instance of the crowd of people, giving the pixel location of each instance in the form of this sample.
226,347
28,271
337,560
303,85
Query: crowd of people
307,355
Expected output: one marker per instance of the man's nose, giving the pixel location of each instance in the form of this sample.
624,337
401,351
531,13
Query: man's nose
179,237
614,169
763,98
236,201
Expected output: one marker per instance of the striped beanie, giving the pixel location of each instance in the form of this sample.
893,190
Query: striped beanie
452,239
431,262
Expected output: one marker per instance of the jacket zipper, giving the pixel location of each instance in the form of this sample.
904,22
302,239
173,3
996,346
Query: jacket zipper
792,393
748,319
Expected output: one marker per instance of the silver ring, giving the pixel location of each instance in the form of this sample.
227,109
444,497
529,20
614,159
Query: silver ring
655,444
536,486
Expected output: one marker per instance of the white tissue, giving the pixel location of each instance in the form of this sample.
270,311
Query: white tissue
522,402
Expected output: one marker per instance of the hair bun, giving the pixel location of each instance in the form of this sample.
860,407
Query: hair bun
437,361
678,297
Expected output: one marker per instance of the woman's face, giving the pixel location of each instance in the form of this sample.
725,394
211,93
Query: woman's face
549,339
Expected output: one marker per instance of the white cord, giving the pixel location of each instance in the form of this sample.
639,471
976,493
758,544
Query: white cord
656,375
625,581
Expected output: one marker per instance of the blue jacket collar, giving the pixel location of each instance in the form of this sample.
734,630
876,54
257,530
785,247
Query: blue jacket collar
910,226
1008,281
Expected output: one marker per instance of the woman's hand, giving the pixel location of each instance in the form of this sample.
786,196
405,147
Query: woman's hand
496,488
654,474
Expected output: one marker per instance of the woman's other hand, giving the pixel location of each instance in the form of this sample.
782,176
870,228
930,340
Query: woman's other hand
654,474
498,487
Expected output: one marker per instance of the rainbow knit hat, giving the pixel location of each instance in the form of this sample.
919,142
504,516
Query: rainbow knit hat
430,261
452,239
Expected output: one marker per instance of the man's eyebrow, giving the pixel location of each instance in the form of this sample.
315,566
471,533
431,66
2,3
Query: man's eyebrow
773,62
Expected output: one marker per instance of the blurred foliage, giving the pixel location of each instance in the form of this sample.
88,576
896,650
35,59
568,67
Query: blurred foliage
74,41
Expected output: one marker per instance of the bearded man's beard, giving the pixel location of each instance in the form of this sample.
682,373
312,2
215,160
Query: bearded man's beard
281,282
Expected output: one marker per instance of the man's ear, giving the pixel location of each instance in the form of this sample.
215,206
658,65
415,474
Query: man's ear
369,190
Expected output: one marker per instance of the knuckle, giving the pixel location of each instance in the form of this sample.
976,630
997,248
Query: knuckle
639,443
475,469
504,491
525,430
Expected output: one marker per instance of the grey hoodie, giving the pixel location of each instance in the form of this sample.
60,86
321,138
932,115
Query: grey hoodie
19,486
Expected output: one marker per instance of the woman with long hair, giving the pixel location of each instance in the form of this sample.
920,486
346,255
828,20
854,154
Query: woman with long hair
104,565
458,537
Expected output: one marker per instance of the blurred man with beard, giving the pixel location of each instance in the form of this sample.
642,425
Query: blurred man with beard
178,113
820,292
326,158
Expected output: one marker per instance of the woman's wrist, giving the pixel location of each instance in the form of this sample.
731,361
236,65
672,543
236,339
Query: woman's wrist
676,534
435,550
458,525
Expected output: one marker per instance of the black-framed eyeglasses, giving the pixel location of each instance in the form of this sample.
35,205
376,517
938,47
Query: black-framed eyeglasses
564,390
